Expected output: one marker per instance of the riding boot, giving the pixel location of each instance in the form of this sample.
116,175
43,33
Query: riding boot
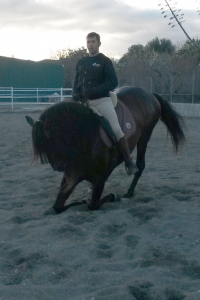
124,149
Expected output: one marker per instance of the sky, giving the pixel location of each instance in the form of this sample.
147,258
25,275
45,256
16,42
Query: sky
36,29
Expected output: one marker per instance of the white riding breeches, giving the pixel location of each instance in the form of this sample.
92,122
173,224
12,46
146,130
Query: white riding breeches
104,107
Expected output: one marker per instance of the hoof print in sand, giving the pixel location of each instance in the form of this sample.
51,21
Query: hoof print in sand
147,291
104,251
173,260
143,213
181,197
20,265
174,295
80,219
113,230
20,220
131,241
162,257
13,280
192,270
69,231
141,291
144,199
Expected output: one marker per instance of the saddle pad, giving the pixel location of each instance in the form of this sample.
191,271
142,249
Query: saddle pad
126,122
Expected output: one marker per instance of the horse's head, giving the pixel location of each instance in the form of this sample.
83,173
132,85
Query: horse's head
50,146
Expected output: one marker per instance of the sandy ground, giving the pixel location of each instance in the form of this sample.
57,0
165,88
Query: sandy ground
144,249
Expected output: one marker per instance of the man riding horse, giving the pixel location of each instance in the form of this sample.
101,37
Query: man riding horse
95,78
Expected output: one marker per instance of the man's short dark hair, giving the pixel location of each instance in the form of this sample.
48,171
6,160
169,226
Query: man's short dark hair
91,34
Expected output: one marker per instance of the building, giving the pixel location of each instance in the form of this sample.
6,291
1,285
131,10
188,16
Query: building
18,73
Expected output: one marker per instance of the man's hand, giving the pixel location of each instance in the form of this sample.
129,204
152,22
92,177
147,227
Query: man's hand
85,94
75,97
88,93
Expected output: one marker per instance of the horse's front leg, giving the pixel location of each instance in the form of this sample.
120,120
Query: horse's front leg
130,191
97,189
66,188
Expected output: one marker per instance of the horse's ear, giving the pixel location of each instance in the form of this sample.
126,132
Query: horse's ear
30,120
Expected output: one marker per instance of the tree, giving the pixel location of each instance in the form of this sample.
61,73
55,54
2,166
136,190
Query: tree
135,51
70,53
187,50
69,59
161,46
152,60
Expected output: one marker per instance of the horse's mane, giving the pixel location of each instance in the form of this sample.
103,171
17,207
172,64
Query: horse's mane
71,117
71,124
66,108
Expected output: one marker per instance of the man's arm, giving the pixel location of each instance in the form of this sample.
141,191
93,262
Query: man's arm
110,83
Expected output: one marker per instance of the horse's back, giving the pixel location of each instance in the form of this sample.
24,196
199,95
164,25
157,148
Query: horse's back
143,105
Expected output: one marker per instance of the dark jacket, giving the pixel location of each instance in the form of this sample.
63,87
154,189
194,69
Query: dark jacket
95,78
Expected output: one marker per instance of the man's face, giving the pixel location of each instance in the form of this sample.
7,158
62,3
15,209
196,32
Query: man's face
93,45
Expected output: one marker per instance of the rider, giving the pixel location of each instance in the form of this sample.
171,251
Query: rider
95,78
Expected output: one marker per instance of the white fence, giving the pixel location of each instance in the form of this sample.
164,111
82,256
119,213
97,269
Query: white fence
174,88
13,96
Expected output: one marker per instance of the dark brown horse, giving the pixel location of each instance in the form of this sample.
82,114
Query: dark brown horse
67,136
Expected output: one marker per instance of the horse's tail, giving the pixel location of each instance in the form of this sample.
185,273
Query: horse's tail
173,121
38,139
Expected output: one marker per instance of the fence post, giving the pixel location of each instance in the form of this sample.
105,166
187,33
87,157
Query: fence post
171,92
37,95
193,76
12,96
61,93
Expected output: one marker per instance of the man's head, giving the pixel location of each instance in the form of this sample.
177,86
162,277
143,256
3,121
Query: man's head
93,43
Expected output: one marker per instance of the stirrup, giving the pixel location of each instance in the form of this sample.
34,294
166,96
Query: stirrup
130,167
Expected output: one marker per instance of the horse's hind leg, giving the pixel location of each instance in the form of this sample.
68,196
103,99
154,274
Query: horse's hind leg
66,188
140,162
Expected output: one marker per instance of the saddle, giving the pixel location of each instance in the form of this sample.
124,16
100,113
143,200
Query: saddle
126,122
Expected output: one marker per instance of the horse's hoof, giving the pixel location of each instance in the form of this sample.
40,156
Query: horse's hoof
112,197
109,198
127,195
93,207
58,210
49,212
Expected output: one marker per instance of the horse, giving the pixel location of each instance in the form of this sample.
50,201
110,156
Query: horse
67,136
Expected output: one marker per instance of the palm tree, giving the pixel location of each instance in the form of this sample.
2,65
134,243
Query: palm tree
162,46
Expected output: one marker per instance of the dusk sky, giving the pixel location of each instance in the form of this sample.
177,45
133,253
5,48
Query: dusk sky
35,29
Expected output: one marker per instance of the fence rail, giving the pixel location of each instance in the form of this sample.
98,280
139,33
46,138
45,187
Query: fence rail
185,89
13,96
